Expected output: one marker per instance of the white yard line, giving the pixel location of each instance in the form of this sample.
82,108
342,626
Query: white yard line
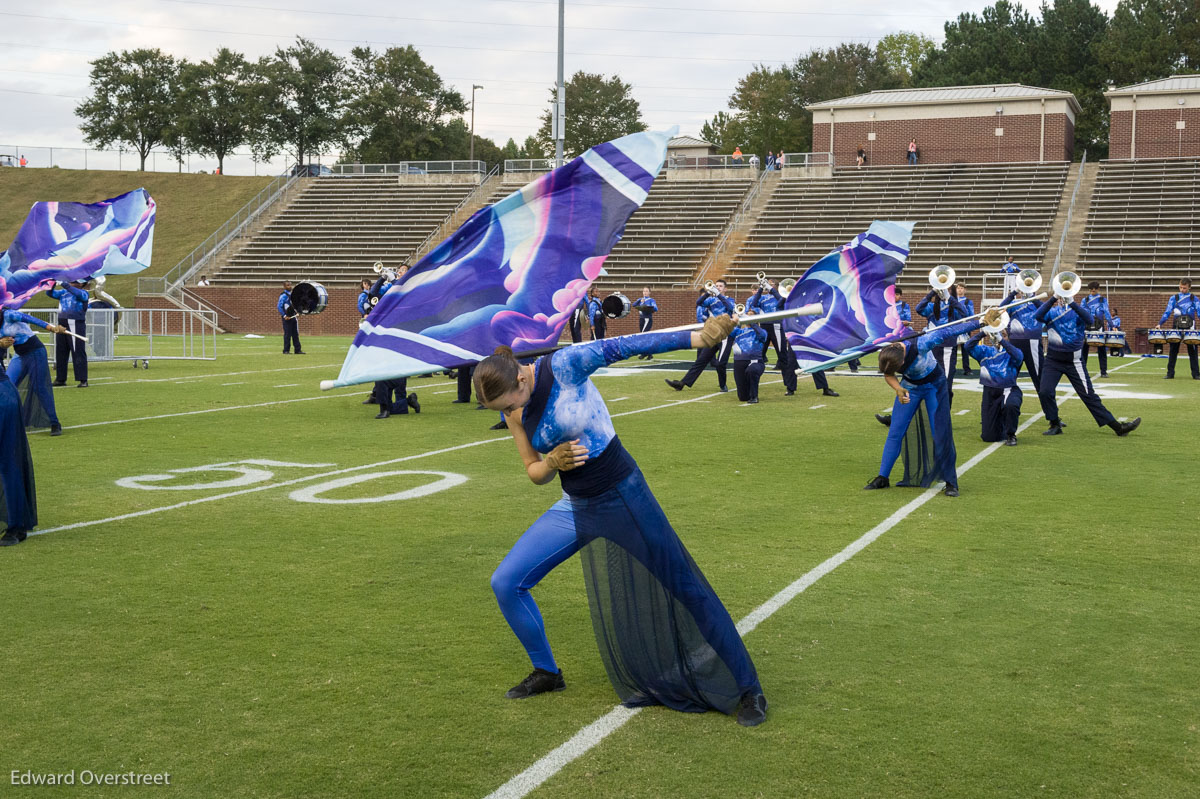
579,744
814,407
177,378
287,385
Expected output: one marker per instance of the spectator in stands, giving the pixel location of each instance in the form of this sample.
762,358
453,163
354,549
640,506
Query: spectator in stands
779,161
770,160
860,157
1182,310
203,281
913,152
754,160
737,156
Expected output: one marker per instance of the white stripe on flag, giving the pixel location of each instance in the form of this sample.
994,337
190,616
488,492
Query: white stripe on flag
614,178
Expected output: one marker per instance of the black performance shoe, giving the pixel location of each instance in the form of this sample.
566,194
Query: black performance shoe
56,429
1104,374
790,392
723,389
384,413
82,384
678,385
1165,377
412,403
1011,441
370,400
879,482
500,425
752,710
829,392
1056,429
298,352
1125,428
753,401
539,681
11,538
951,490
460,402
884,419
59,383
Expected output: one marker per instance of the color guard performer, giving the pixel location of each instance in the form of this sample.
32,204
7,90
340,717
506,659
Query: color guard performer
31,367
1065,324
18,495
1182,310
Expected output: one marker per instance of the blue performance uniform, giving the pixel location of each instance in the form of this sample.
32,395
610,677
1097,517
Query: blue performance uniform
291,329
769,302
904,310
749,347
18,495
646,307
596,318
1065,338
1102,316
940,312
711,305
1025,332
925,380
1180,308
1000,410
969,305
72,314
664,635
29,371
364,303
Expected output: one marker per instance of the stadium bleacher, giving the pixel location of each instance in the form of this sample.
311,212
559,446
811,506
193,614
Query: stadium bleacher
1143,229
969,216
339,226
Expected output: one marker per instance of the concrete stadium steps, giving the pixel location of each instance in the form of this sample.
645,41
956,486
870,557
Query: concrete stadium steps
968,215
339,226
1143,226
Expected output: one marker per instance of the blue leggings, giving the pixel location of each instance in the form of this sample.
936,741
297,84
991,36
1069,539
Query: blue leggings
547,543
937,406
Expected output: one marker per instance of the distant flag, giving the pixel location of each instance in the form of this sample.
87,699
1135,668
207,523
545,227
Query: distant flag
66,241
514,272
856,284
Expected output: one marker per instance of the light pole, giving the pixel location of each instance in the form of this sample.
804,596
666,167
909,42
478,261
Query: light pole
473,88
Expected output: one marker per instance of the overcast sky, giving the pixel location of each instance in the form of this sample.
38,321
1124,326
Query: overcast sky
683,57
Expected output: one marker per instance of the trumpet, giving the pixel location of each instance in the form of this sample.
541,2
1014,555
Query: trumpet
763,283
1029,281
711,288
377,268
941,278
739,309
785,286
1067,285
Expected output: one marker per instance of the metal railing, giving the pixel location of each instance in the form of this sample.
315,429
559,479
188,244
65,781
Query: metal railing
441,230
230,230
129,334
806,160
124,160
529,164
1062,238
410,168
708,162
743,210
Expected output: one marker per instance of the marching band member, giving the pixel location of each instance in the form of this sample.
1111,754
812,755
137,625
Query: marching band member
999,361
1182,309
1065,338
903,308
943,312
576,322
393,398
18,495
287,314
749,350
72,316
709,305
596,317
768,301
1025,333
639,573
30,363
923,379
1102,316
646,308
967,303
364,299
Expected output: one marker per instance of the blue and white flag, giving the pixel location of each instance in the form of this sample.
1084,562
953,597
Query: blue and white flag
514,272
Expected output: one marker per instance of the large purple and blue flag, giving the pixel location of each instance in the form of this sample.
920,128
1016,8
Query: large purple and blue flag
65,241
856,285
514,272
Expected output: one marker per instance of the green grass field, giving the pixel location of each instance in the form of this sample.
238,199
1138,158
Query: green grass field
1035,637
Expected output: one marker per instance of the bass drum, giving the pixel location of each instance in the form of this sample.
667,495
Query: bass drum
309,297
615,306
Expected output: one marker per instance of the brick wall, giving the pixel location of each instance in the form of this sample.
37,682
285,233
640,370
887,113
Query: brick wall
256,307
1157,136
951,140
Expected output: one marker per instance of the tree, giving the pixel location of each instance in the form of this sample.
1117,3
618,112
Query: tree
510,150
763,108
598,110
216,105
297,101
399,109
457,142
1150,39
1068,57
901,53
992,48
132,100
726,131
532,148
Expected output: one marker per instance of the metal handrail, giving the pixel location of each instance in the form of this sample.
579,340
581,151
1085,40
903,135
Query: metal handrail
208,304
708,162
227,232
449,220
529,164
743,209
807,159
409,168
1062,238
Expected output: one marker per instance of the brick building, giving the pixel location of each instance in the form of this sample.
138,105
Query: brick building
952,125
1156,119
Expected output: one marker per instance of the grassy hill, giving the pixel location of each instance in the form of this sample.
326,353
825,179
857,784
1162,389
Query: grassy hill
190,207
